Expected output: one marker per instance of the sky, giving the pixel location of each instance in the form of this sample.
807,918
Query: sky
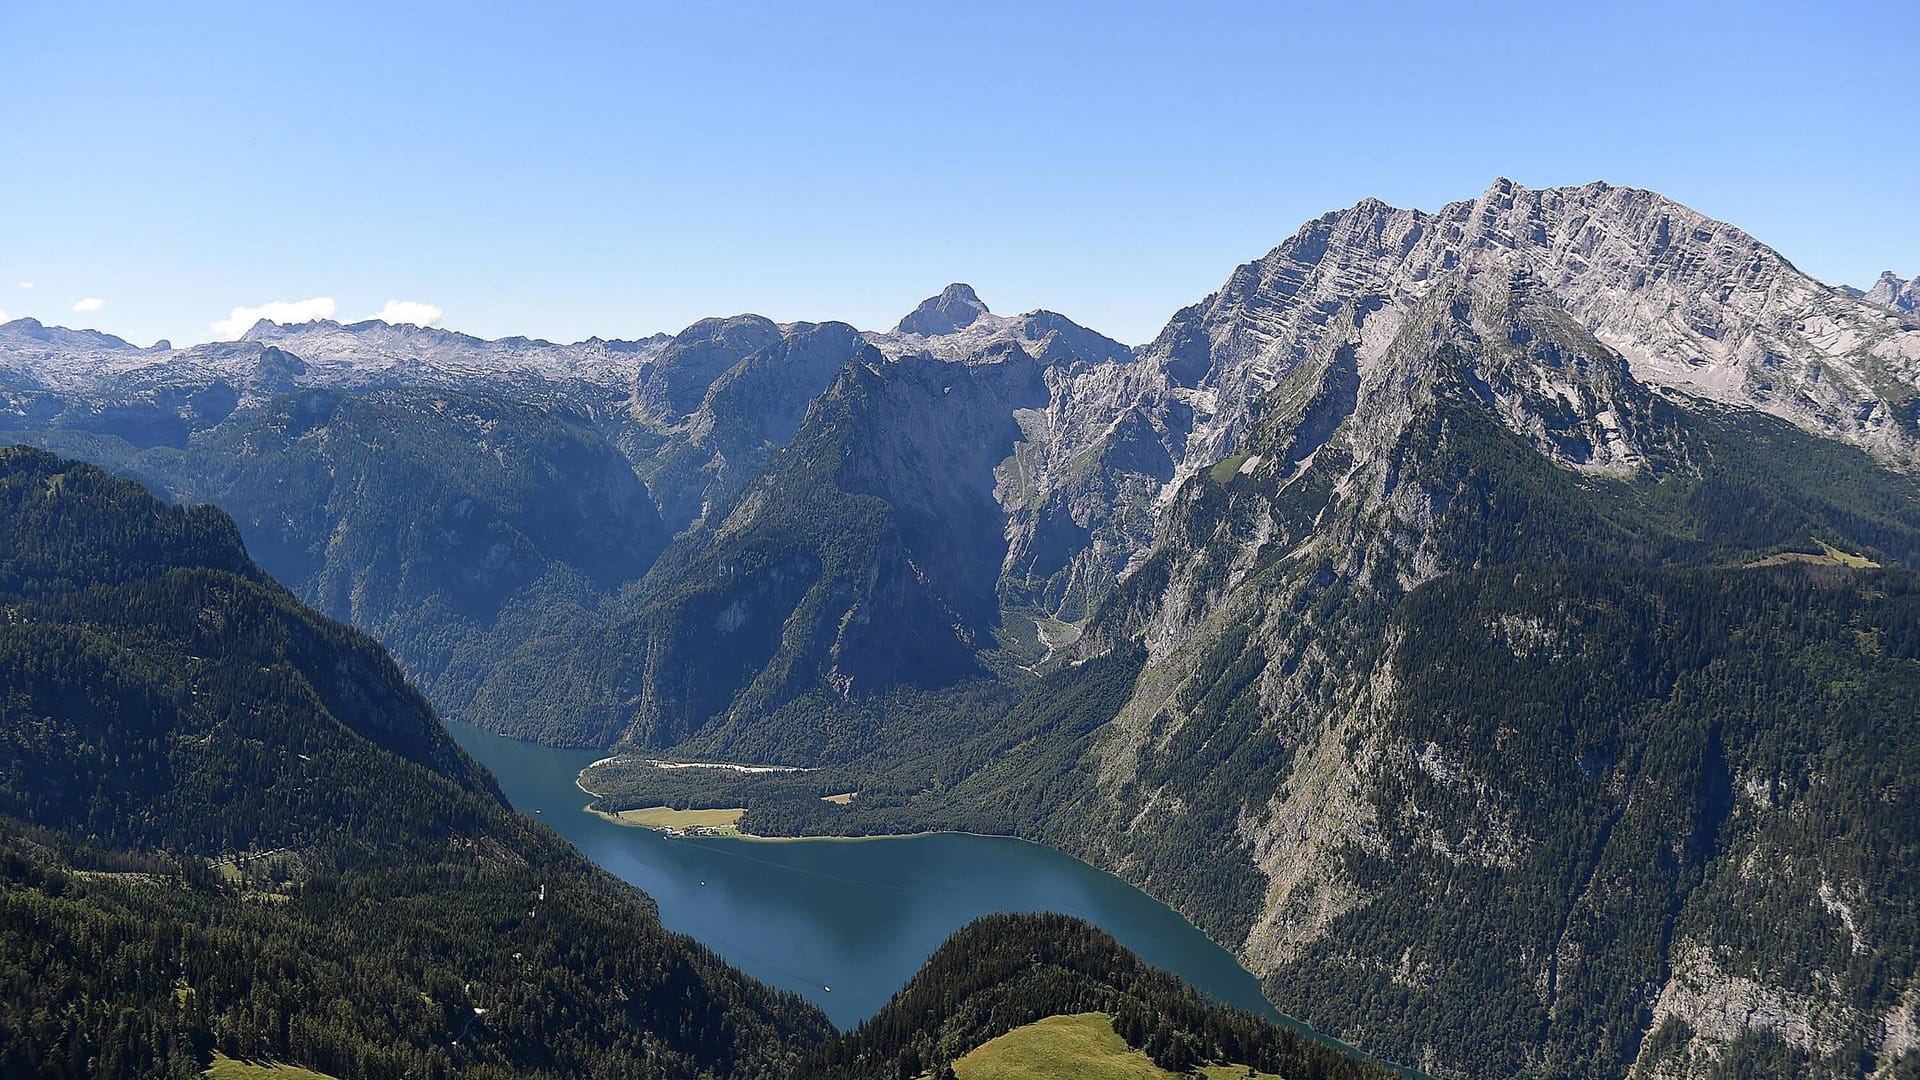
562,171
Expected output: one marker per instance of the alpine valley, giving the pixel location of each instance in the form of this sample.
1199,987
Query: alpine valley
1499,626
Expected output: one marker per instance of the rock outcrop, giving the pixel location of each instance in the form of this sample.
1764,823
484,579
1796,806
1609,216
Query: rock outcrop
1890,291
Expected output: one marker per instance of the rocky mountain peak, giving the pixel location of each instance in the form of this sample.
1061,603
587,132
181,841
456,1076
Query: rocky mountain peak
268,330
1692,303
676,380
1498,337
1893,291
31,332
956,308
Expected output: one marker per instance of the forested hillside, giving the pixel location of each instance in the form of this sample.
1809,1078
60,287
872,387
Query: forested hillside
1652,800
1005,971
229,824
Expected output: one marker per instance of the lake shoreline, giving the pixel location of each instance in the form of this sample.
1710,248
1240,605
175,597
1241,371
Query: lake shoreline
613,817
737,834
1284,1019
865,923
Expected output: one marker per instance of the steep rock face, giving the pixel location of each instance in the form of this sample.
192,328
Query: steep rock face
956,308
746,413
1890,291
956,325
1364,482
674,382
453,527
1694,305
1068,511
1289,700
864,557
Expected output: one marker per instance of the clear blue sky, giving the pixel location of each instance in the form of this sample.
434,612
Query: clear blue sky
621,169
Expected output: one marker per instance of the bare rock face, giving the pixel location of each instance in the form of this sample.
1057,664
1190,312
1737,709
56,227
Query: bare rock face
356,356
1388,402
58,379
673,382
1695,305
1890,291
1717,1009
355,351
748,411
956,308
1063,544
956,325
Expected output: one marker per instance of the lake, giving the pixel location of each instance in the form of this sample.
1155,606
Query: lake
859,916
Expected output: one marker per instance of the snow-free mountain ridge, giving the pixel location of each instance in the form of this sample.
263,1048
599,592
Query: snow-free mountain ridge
1195,610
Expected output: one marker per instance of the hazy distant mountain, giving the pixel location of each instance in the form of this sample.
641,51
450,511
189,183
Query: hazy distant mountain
29,337
334,355
956,308
376,346
956,324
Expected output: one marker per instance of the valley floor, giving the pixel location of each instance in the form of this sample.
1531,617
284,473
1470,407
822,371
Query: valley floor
719,822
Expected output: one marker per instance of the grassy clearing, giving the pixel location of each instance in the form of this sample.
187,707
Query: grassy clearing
1078,1047
1226,468
226,1068
724,822
839,800
1829,556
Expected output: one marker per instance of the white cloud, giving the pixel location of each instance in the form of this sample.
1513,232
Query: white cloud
26,284
90,303
417,312
280,311
4,317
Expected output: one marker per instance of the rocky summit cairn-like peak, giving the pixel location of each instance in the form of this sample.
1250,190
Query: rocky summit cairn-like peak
956,308
1892,291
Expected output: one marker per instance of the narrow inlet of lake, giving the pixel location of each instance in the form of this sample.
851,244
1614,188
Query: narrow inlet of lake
847,923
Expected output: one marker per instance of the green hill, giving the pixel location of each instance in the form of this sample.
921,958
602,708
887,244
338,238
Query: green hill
228,825
1002,973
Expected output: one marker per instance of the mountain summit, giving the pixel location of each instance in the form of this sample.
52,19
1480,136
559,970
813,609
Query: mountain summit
956,308
1893,292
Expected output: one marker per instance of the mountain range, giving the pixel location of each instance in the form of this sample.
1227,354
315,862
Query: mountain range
1497,624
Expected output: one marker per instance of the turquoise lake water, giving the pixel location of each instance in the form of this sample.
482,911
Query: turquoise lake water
859,917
